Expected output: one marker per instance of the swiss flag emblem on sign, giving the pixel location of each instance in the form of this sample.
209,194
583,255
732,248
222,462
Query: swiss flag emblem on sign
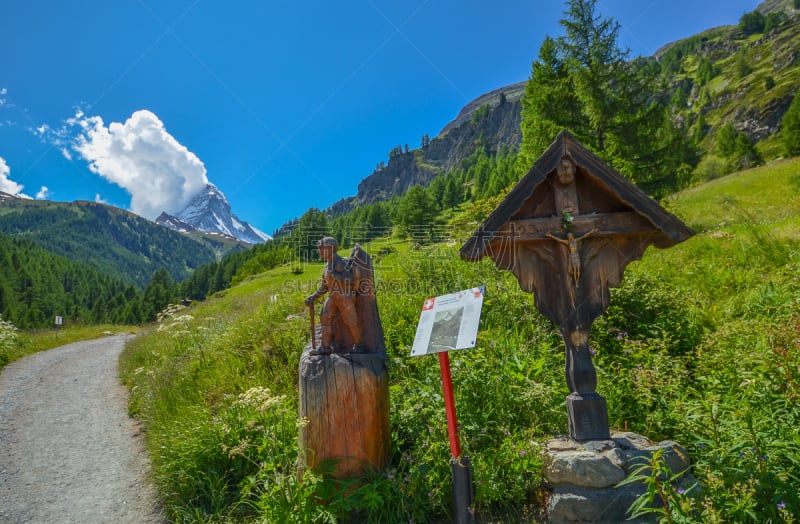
428,304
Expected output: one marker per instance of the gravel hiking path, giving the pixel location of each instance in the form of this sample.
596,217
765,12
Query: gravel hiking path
69,452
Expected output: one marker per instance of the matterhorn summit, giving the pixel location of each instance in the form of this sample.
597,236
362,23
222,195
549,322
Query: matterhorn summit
210,211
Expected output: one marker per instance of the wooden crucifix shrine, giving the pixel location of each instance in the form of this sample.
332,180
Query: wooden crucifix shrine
567,231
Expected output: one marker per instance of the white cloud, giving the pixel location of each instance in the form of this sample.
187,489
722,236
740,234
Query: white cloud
6,184
99,199
43,193
140,156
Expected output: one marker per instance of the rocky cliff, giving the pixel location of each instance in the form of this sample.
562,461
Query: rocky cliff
490,121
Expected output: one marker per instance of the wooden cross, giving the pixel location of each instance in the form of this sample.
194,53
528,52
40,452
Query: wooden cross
567,231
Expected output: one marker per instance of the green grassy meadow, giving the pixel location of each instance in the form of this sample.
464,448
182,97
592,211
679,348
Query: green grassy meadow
701,345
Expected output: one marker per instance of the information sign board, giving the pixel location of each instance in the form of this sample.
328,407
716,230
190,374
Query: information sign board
449,322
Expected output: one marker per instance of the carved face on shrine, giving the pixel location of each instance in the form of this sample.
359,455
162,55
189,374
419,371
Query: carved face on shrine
566,172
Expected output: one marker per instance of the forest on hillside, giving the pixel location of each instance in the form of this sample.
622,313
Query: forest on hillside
116,242
38,285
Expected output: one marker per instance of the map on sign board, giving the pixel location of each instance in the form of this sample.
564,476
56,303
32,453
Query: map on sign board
449,322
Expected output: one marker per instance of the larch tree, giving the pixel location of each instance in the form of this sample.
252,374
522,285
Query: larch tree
790,128
583,81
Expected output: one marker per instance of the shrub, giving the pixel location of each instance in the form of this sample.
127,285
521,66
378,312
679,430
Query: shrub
8,341
753,22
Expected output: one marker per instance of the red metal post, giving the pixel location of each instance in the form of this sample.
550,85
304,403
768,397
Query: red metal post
449,404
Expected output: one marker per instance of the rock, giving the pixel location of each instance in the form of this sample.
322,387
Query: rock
617,457
562,444
571,505
598,446
584,475
582,468
676,456
629,440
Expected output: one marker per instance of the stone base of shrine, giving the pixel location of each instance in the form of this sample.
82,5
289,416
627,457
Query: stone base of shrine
583,476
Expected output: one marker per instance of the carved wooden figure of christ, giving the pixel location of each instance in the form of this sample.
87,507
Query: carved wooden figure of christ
567,230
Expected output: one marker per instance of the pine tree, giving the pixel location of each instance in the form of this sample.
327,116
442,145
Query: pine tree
705,70
415,211
549,103
597,66
312,226
746,153
726,140
378,220
736,147
452,193
584,82
742,65
158,294
753,22
790,128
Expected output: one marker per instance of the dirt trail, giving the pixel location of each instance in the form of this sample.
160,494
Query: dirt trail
69,452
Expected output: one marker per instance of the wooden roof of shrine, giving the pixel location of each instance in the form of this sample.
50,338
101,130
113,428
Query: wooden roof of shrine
601,179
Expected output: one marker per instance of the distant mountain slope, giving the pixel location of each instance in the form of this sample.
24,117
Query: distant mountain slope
724,76
36,285
210,211
492,99
492,122
8,196
712,88
772,6
114,241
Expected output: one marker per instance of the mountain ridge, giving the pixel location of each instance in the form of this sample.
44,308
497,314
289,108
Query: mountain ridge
494,128
110,239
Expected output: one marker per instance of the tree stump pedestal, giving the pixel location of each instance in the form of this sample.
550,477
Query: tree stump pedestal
345,401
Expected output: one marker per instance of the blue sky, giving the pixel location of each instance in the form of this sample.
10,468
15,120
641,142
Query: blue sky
283,105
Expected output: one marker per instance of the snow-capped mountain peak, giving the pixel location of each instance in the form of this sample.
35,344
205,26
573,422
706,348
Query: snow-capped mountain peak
210,211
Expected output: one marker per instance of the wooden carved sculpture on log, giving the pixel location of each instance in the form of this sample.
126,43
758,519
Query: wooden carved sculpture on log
567,231
349,320
344,387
